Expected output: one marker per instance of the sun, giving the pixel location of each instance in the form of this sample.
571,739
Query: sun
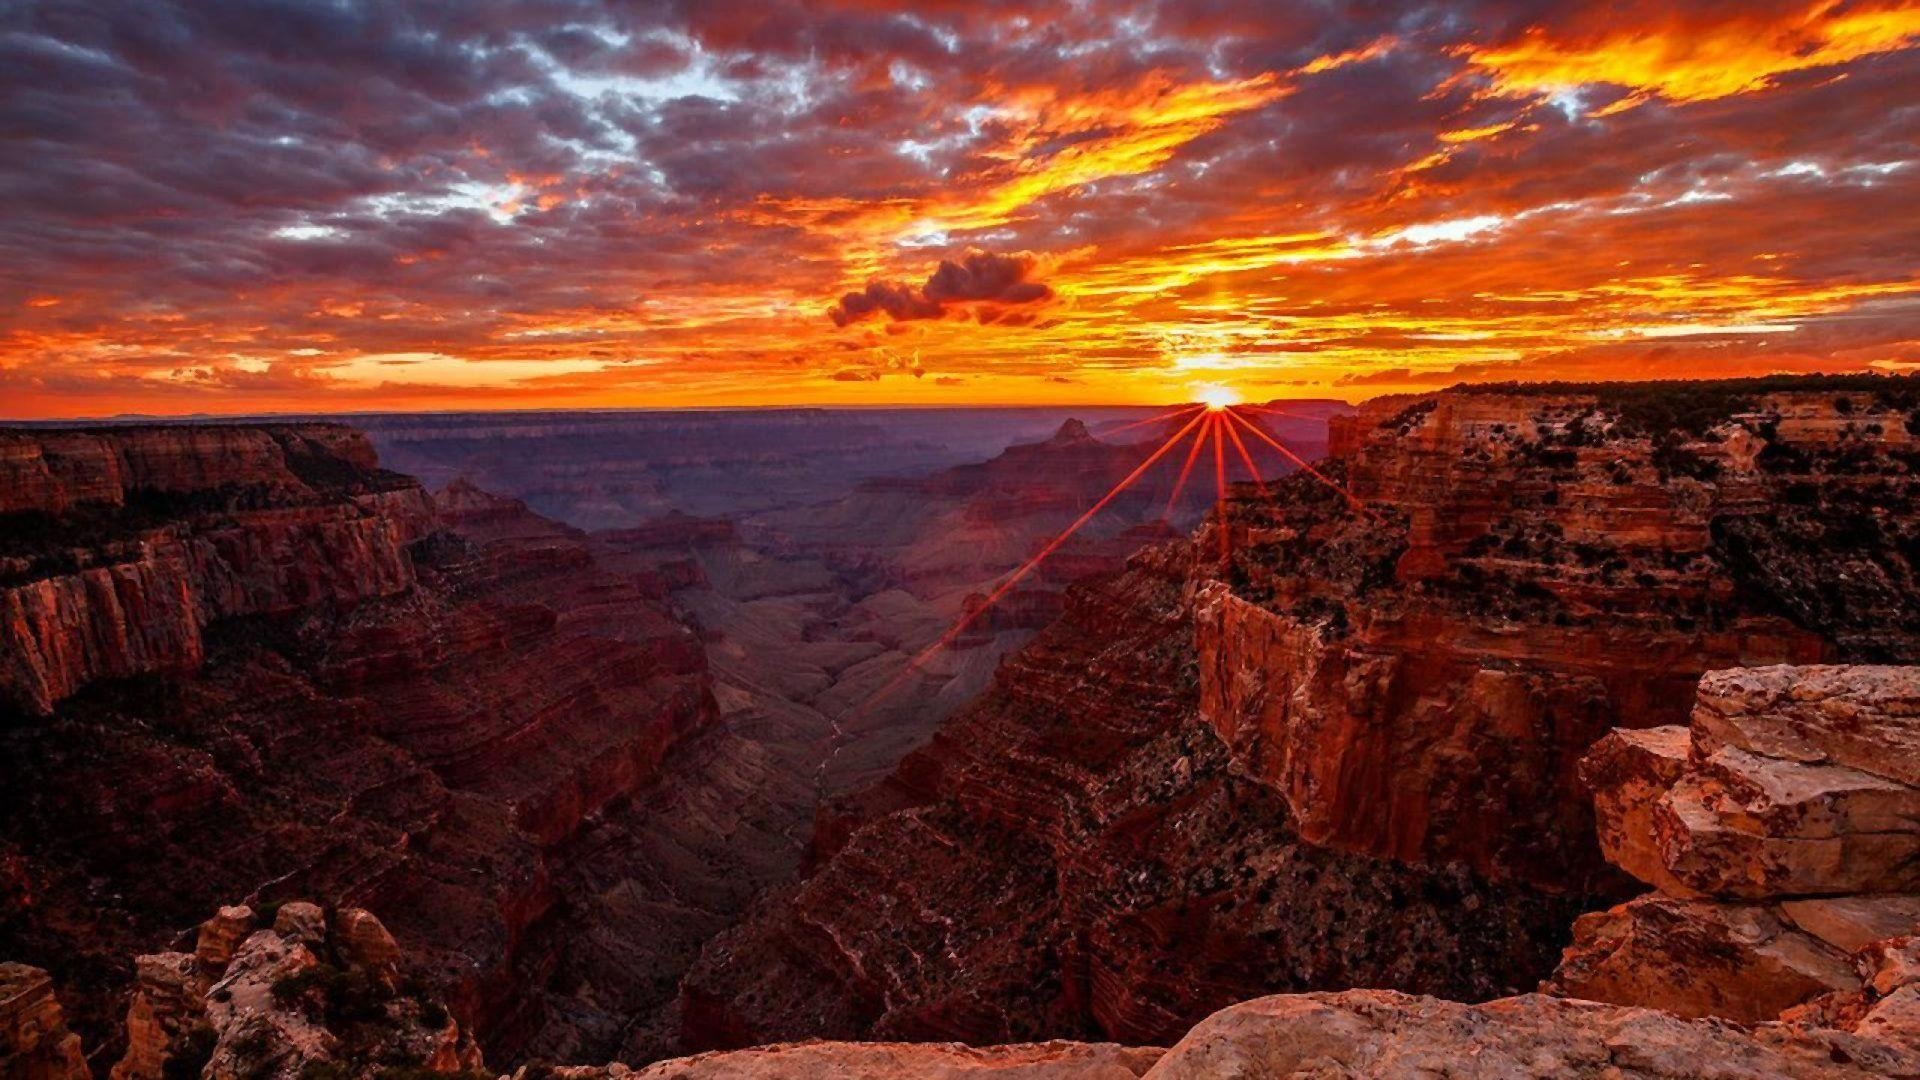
1215,396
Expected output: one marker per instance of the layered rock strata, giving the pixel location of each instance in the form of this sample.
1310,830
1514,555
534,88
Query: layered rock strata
121,546
34,1041
1781,830
1347,752
348,693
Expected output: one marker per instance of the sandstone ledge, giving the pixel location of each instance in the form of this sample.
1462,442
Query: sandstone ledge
1357,1033
1781,832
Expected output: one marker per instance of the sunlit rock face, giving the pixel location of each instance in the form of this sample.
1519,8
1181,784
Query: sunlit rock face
1348,754
1781,841
120,546
34,1041
1420,679
244,662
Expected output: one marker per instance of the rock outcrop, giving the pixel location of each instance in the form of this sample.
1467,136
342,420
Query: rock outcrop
1781,830
1398,1037
301,996
896,1061
1302,766
1420,677
34,1041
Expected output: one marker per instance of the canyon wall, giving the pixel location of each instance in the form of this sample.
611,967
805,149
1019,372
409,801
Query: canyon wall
122,545
1421,677
245,662
1295,767
304,991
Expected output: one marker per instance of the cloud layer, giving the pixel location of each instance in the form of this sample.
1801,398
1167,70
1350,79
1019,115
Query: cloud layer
345,205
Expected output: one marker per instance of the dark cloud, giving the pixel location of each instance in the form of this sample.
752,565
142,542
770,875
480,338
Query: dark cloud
979,278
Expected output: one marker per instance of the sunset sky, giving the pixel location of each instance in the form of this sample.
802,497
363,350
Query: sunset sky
249,207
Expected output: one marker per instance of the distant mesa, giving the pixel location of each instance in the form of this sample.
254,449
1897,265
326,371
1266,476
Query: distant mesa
1071,431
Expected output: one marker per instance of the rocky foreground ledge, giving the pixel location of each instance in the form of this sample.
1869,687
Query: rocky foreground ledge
1778,828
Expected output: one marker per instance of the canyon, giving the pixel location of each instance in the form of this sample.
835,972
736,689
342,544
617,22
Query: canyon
1401,738
305,991
246,662
1297,766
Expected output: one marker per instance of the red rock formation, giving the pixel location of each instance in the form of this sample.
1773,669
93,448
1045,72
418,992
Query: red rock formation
34,1041
1782,830
1397,1037
1298,769
302,681
1075,855
57,471
300,1000
310,995
124,544
1420,680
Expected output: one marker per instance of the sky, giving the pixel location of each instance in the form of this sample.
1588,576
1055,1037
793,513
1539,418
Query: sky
295,206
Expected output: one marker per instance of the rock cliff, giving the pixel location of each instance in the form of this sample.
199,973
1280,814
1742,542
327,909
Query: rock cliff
1781,831
34,1041
122,545
304,992
1298,766
1421,677
244,662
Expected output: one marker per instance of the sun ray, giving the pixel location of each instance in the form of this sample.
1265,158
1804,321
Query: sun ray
1307,468
1179,412
1186,469
1220,482
969,618
1246,459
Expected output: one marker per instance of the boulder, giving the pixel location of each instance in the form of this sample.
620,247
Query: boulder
221,935
1628,771
1699,958
1782,834
301,921
1740,824
1863,716
363,943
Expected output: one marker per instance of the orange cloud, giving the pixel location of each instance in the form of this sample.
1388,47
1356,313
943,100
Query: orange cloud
1680,59
1178,195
